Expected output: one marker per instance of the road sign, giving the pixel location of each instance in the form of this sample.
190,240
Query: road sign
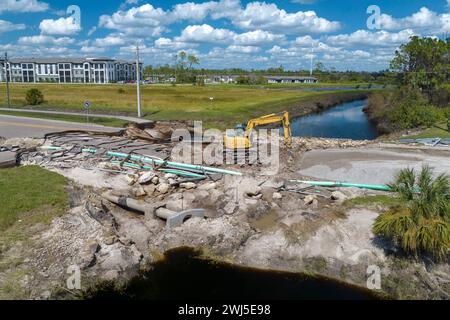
87,104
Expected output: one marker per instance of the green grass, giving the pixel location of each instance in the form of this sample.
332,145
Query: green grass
231,104
384,200
30,193
30,198
109,122
438,131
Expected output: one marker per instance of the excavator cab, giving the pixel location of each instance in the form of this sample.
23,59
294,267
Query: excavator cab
240,137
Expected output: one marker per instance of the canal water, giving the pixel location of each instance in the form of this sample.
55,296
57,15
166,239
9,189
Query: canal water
184,275
344,121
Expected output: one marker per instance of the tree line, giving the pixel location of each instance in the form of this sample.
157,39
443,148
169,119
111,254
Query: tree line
184,70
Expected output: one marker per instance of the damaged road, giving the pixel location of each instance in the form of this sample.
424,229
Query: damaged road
129,189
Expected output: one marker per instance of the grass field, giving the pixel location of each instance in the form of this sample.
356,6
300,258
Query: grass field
227,104
30,189
367,201
30,198
438,131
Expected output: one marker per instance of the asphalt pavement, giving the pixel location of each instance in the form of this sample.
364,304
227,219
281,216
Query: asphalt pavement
21,127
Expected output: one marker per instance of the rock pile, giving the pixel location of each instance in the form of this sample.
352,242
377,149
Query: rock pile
307,144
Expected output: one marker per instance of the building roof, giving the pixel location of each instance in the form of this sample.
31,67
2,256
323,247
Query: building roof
290,78
63,60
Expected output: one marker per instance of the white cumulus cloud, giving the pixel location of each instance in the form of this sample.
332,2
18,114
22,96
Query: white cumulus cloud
45,40
368,38
62,26
424,21
23,6
144,20
257,37
243,49
267,16
206,34
6,26
110,41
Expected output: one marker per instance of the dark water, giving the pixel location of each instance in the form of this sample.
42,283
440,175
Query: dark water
373,87
183,275
345,121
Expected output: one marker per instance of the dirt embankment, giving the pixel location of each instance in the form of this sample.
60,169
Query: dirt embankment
323,102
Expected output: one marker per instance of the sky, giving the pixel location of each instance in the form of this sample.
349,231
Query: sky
342,35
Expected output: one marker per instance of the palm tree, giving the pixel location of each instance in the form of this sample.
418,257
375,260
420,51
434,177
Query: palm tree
193,59
421,224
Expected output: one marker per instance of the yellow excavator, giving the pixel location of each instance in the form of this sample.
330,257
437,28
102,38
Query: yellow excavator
240,137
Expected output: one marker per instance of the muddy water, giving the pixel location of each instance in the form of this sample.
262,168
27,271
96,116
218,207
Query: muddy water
344,121
184,275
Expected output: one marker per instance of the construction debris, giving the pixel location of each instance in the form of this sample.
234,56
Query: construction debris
7,159
173,219
429,142
307,144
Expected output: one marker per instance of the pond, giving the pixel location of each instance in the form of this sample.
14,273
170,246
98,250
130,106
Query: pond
183,274
344,121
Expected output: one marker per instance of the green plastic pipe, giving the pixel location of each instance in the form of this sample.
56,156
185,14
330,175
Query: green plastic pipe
176,165
345,185
52,148
174,171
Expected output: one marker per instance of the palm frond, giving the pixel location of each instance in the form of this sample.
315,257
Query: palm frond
422,222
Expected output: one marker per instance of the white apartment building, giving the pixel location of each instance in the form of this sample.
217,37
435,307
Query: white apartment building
67,70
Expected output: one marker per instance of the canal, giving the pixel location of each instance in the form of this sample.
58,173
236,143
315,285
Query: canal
344,121
184,274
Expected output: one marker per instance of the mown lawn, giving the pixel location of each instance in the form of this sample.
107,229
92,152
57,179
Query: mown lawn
30,198
214,103
438,131
366,201
30,194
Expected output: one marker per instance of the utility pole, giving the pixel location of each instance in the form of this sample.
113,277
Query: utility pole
7,80
312,58
138,80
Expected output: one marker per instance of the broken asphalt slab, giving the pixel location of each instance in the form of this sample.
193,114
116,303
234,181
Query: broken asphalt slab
7,159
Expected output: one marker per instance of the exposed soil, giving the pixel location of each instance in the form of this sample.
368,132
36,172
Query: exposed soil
257,220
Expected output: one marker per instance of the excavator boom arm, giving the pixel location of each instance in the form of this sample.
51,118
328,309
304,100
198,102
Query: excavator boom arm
269,119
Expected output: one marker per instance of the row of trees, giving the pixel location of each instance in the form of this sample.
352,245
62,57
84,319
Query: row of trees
184,70
422,76
424,64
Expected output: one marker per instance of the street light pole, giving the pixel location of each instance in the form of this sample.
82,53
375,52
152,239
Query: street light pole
7,80
138,80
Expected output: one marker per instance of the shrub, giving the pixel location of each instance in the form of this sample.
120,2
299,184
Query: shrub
421,223
405,108
34,97
200,82
405,116
243,80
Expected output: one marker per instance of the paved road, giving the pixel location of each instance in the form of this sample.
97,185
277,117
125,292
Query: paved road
97,115
21,127
370,165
